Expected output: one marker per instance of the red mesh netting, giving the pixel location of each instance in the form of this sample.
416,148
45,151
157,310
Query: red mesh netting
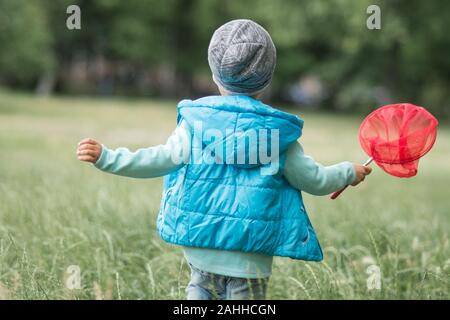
397,135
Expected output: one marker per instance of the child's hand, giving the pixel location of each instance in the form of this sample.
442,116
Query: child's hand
89,150
361,173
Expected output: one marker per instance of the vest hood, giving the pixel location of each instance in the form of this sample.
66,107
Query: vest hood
239,130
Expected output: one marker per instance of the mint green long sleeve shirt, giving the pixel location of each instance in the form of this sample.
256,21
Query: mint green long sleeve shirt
300,170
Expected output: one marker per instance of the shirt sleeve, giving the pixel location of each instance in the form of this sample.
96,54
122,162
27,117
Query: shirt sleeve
149,162
305,174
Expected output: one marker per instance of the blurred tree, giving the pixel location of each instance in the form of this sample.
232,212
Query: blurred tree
26,43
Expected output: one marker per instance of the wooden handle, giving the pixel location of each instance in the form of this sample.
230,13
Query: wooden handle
337,193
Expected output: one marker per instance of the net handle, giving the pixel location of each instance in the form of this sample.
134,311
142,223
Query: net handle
337,193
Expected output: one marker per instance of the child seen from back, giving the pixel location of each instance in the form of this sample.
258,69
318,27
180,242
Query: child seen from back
226,201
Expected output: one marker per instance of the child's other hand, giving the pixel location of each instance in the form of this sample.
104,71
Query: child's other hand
89,150
361,173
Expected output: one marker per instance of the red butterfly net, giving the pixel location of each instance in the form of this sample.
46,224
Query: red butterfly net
396,136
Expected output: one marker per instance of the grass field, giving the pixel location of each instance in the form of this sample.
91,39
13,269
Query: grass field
56,211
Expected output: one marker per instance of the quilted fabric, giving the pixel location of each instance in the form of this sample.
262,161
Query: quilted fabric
233,206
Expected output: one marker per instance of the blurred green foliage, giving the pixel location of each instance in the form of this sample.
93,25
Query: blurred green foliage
407,60
26,41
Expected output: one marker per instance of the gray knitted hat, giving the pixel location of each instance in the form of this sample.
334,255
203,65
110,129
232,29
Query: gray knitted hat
242,57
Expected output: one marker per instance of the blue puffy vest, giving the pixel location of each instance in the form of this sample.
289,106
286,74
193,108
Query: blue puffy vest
223,203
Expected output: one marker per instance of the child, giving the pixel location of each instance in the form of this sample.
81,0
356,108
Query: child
231,216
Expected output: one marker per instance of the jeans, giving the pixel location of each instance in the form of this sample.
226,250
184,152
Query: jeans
209,286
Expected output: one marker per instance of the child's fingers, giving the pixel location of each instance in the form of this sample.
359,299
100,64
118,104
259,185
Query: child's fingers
87,141
87,152
87,147
368,170
86,158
